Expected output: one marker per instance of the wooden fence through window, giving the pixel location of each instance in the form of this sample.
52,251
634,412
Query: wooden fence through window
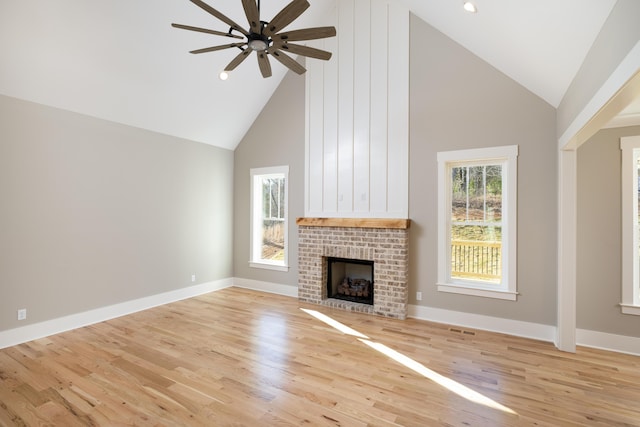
476,260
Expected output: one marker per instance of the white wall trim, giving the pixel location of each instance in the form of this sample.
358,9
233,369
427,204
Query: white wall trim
586,338
623,120
35,331
609,342
487,323
630,309
257,175
627,68
568,143
629,228
269,287
507,157
477,291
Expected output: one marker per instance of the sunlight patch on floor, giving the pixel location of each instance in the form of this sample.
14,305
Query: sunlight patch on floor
448,383
334,323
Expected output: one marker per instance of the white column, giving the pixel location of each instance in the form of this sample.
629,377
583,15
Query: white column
567,248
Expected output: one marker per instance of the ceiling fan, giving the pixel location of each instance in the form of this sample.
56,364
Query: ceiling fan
265,38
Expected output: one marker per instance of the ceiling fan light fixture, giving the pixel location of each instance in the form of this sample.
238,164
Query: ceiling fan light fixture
223,75
258,44
470,7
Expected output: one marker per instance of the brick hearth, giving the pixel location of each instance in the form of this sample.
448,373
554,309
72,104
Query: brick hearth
385,242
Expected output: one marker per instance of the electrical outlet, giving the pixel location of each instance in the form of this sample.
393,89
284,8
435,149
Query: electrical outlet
22,314
193,277
419,296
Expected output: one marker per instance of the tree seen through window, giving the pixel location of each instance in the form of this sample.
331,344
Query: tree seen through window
273,215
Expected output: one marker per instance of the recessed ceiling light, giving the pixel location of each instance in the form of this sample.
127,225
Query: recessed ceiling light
470,7
223,75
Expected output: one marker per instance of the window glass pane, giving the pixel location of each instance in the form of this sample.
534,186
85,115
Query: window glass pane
476,228
476,253
273,240
273,219
476,193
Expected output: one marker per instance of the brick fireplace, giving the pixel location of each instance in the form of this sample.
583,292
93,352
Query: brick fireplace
385,242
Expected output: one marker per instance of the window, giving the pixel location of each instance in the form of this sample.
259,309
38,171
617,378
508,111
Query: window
477,222
630,225
269,218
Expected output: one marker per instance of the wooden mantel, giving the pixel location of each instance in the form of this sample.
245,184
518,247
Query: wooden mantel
356,222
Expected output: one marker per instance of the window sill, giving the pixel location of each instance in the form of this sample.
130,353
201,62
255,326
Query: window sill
630,309
267,266
478,292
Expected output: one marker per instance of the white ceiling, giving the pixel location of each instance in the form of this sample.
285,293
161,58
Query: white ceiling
120,60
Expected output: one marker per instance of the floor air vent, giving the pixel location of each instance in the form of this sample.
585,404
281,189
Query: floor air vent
462,331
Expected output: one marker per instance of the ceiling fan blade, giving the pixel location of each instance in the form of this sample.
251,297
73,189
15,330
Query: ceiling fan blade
304,51
253,14
306,34
238,60
205,30
263,63
287,61
220,16
286,16
214,48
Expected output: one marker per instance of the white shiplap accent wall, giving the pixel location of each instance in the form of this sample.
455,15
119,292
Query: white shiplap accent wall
357,142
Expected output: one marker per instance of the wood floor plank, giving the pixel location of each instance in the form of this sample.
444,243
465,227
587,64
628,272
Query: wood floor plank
244,358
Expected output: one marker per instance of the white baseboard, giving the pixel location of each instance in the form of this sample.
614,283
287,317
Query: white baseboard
488,323
593,339
610,342
269,287
35,331
586,338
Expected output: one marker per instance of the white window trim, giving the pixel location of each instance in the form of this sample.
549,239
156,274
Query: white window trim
507,155
256,216
630,147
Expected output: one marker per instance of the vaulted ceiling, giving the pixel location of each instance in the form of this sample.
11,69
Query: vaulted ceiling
120,60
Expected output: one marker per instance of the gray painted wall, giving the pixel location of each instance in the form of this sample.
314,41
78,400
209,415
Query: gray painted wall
618,36
599,235
458,101
94,213
276,138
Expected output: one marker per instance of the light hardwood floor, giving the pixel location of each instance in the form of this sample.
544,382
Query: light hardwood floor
243,358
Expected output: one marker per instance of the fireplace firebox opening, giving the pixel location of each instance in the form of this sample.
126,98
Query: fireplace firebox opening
350,280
